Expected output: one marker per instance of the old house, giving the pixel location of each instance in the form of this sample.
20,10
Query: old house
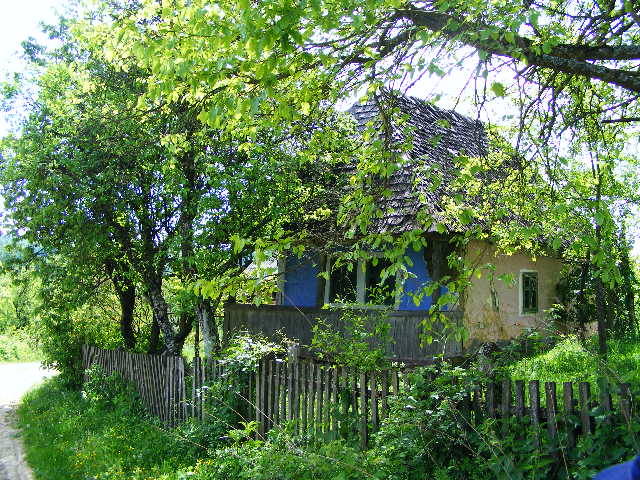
490,310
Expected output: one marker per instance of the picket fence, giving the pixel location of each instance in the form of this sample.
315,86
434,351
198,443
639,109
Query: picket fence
330,401
159,380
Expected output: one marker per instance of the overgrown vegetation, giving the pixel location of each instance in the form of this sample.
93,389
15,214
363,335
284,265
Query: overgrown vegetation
18,346
573,360
100,433
103,433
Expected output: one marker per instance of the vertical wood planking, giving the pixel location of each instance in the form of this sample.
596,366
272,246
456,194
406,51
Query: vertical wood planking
552,407
477,405
277,393
585,408
258,417
335,382
384,410
625,402
505,404
373,381
490,397
327,401
269,395
312,396
318,422
304,393
364,427
567,397
534,398
519,387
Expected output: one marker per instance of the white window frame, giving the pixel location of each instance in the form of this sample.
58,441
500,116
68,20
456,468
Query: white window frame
360,286
521,292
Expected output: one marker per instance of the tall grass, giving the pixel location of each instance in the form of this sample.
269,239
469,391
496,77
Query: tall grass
66,438
571,360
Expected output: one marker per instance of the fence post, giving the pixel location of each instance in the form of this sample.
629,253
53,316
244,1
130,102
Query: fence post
534,394
258,396
552,407
364,426
567,388
505,406
625,402
491,399
585,414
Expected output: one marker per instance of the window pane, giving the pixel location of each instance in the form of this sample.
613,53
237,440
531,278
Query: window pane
529,292
376,293
343,284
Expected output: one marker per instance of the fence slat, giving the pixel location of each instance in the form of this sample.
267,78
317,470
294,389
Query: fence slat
312,395
519,385
552,407
567,397
490,397
304,393
335,381
384,410
625,402
585,408
534,398
374,401
319,395
364,427
505,404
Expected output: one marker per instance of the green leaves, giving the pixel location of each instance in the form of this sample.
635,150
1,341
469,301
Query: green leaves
498,89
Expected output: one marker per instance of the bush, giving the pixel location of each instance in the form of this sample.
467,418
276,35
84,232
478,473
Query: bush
17,345
283,457
571,360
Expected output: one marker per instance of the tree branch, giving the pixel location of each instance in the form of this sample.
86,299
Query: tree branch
569,59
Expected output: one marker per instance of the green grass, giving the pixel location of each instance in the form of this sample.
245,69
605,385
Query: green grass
67,438
569,360
17,346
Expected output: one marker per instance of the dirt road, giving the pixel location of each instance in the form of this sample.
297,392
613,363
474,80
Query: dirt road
15,380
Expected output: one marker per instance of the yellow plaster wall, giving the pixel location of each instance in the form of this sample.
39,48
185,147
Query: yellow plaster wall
483,322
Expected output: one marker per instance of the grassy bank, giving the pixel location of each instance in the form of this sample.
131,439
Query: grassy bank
18,346
571,360
103,434
98,435
69,437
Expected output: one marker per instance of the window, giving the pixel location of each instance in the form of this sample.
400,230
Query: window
342,284
361,284
378,293
529,292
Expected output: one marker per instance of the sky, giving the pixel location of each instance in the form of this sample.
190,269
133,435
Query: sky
19,20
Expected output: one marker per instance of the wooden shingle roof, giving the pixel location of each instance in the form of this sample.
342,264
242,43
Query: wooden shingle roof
437,137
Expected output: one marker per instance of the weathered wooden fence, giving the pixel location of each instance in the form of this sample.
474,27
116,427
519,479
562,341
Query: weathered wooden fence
405,328
160,380
331,401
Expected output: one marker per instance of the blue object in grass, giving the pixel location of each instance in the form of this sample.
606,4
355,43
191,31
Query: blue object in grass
625,471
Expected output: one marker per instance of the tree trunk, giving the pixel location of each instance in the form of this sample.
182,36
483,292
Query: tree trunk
154,337
208,326
127,298
581,298
161,314
126,291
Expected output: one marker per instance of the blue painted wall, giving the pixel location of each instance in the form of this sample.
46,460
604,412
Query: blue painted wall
301,281
419,269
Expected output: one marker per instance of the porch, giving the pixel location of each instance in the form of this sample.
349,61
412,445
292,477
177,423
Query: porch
297,323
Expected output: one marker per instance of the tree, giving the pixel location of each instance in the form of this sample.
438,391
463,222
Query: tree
142,193
570,69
